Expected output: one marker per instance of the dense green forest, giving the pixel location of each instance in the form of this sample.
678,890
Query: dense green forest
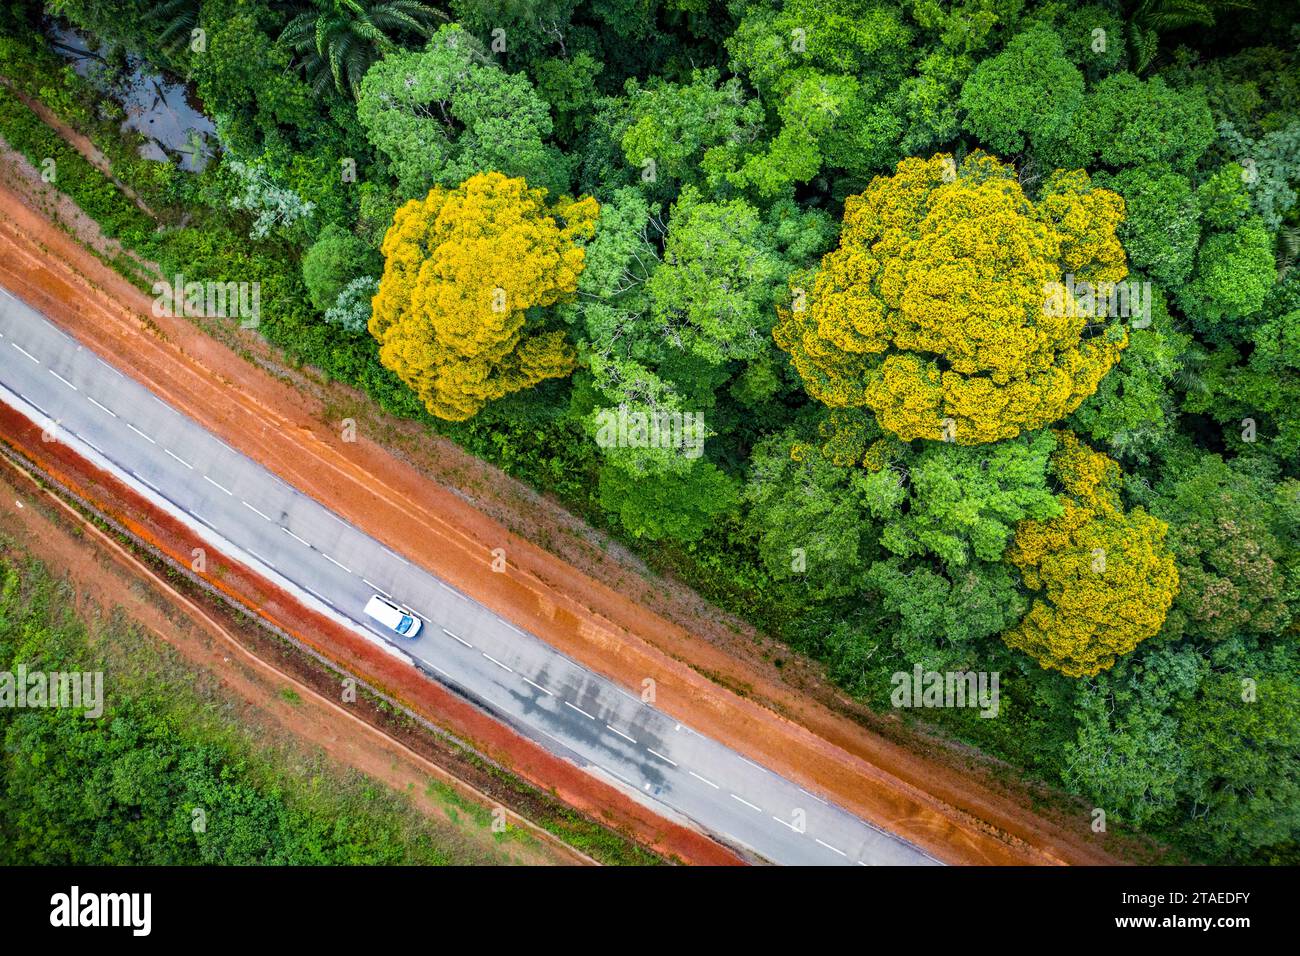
816,240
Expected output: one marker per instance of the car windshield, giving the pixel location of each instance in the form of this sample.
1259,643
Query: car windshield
405,626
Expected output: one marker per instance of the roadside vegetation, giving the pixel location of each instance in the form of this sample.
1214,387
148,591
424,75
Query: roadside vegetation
971,330
169,772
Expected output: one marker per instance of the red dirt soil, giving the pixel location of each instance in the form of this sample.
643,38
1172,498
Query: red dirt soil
108,577
354,653
958,814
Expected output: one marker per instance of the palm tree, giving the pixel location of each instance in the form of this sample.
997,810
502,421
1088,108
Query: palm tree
1288,250
174,20
340,39
1149,18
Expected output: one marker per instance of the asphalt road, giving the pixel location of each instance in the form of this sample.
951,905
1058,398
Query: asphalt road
250,514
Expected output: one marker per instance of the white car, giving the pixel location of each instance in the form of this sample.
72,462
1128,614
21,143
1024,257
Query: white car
398,619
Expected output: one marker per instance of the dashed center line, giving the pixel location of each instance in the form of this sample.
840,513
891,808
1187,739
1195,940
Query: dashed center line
709,782
218,485
620,733
579,710
831,848
662,757
456,638
376,587
336,563
102,408
141,434
538,686
746,803
254,510
62,379
326,601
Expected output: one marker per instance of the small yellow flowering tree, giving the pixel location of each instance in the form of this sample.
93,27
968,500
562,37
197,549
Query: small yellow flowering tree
1103,579
935,310
461,269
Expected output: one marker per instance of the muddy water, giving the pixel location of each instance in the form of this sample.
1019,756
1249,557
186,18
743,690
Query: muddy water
159,109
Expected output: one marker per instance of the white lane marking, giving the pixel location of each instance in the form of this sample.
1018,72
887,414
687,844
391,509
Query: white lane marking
376,587
202,520
317,596
746,803
832,849
260,558
860,863
813,795
336,563
294,536
254,510
63,380
146,481
662,757
617,774
140,433
397,556
102,408
219,485
180,459
754,765
37,407
25,352
579,710
454,637
620,733
447,587
92,445
109,367
709,782
538,686
439,669
495,661
786,823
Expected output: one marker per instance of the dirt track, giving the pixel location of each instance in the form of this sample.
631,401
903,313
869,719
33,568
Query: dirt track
960,813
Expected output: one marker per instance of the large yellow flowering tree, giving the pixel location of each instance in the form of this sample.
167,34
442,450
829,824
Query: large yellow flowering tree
461,268
935,310
1102,578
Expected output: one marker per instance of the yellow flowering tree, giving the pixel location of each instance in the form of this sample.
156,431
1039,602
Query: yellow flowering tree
936,312
462,267
1102,578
